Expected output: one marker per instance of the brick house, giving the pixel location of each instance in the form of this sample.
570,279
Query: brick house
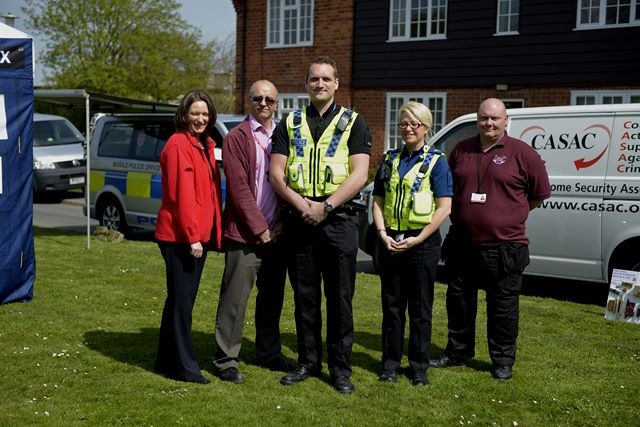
448,54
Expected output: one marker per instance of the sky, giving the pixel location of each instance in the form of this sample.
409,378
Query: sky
215,18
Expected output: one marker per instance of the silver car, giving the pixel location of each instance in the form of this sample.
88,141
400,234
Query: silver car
58,154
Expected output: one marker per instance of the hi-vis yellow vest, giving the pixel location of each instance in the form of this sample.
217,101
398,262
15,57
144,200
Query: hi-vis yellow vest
409,203
318,169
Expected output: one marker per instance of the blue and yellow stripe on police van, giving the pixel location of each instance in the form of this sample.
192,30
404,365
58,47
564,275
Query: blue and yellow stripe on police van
133,184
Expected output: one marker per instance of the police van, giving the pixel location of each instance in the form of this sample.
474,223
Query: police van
591,223
125,184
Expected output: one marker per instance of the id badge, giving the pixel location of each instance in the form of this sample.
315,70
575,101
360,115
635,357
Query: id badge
480,198
399,237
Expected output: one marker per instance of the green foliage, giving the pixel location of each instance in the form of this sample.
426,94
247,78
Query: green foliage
82,353
133,48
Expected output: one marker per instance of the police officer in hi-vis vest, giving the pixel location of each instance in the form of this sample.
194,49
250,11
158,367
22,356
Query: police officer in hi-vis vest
412,197
319,162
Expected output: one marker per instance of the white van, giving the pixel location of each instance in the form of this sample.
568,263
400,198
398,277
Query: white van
125,185
591,223
58,154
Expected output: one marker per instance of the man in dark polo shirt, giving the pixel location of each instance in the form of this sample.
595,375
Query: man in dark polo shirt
497,181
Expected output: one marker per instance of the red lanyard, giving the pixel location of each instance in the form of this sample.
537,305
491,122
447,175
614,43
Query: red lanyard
264,148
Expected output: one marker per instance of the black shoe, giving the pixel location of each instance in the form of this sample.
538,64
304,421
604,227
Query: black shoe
502,373
277,364
419,379
298,375
388,375
231,375
342,384
445,362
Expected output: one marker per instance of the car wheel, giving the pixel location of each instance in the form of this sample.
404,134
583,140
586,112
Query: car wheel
111,215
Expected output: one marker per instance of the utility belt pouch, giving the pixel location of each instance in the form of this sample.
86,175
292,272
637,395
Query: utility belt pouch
295,176
334,176
421,208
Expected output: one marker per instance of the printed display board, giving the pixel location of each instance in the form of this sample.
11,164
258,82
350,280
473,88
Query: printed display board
623,302
17,258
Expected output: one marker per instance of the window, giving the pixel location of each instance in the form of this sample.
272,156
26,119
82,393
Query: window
135,138
418,19
592,97
290,102
607,13
55,132
289,23
435,101
513,103
508,14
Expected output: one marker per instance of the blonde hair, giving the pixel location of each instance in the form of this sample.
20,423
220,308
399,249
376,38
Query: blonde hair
419,111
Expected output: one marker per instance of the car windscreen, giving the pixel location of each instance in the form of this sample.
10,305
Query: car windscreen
55,132
231,124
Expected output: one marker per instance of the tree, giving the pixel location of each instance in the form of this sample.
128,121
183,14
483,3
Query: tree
133,48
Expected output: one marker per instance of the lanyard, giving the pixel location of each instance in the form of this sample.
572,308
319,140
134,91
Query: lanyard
265,148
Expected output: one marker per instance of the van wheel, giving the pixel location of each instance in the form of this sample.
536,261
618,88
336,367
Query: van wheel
111,215
626,257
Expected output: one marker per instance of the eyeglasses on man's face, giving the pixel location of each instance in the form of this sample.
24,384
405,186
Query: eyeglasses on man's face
267,99
412,125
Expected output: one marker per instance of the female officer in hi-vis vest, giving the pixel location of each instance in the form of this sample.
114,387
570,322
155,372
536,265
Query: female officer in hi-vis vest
412,197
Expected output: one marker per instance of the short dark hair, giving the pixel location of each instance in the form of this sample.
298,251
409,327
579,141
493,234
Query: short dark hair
181,117
323,60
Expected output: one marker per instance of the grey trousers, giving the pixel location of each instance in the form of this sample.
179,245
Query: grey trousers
245,264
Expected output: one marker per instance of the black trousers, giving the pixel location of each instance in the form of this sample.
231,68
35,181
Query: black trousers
497,270
324,253
176,355
407,281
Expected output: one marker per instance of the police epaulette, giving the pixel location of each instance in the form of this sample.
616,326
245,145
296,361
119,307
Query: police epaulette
393,152
297,118
344,120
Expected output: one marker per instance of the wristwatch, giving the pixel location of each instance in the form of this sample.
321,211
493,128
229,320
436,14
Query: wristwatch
328,207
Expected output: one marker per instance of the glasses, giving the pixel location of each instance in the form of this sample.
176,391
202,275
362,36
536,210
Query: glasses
268,100
412,125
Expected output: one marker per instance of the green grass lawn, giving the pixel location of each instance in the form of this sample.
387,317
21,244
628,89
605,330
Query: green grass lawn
82,353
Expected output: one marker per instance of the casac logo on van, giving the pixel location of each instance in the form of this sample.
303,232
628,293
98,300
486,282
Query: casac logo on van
586,140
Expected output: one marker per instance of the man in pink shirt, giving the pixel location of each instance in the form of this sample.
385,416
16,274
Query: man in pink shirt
251,241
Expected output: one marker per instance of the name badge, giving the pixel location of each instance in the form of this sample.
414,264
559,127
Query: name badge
480,198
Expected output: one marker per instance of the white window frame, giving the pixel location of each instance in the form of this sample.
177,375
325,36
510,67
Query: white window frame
288,102
511,15
596,13
299,14
396,99
604,96
401,10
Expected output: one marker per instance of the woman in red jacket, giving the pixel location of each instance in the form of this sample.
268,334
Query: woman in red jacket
189,221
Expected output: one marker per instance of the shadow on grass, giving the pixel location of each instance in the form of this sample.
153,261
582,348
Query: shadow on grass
566,290
53,232
139,348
